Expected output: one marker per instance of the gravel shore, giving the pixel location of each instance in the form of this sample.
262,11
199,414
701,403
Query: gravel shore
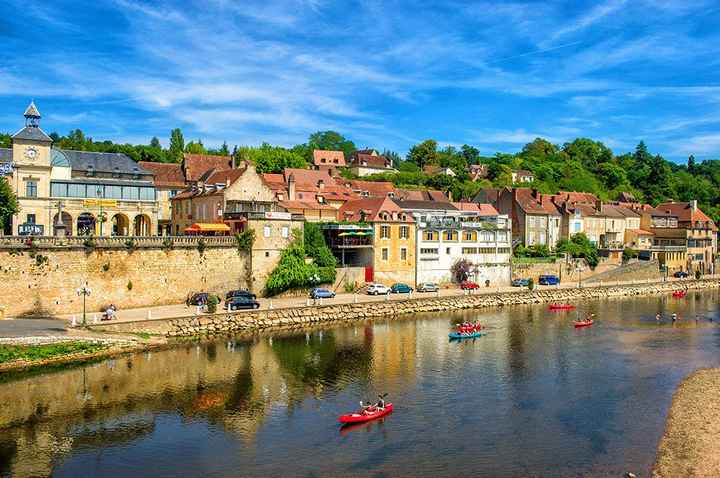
691,443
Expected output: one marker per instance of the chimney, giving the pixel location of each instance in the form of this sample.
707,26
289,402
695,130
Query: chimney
227,182
536,194
232,161
321,184
449,195
693,205
291,187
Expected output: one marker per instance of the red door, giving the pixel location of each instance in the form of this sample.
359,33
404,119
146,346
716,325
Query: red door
369,276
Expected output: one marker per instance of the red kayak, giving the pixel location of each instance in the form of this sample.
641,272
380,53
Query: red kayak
561,307
367,414
583,323
679,294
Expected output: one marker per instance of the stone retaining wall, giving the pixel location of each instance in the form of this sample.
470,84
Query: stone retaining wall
233,322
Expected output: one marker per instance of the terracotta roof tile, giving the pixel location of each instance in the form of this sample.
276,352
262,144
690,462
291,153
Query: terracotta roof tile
322,157
166,174
373,208
196,165
684,212
370,161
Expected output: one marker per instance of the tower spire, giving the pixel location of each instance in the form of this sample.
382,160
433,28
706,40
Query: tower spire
32,115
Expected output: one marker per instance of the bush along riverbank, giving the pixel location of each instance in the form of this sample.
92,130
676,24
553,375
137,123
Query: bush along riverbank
33,352
233,322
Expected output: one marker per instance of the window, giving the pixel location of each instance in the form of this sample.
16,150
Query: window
173,193
502,236
285,231
470,236
469,250
130,192
451,236
577,227
147,194
31,189
58,190
384,253
430,235
384,232
403,253
113,192
266,231
267,253
447,251
404,232
428,251
30,219
487,236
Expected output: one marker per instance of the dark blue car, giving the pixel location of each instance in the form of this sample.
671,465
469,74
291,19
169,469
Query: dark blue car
320,293
549,280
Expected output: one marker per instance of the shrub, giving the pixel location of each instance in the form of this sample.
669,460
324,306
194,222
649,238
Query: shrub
350,287
579,246
531,284
130,244
245,240
89,244
628,254
461,269
293,271
698,274
212,303
129,285
167,243
106,267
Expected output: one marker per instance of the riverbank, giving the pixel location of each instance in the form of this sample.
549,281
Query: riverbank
223,323
690,445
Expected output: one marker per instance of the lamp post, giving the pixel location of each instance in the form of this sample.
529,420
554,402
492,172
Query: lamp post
100,216
84,291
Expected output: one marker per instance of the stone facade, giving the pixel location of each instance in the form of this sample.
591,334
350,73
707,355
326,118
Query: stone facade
42,280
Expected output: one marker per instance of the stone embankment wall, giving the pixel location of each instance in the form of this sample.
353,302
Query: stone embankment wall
223,323
42,279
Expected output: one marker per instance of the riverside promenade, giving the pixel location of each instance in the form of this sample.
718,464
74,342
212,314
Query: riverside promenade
166,312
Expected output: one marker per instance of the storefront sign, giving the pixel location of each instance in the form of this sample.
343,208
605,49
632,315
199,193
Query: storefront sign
99,203
30,229
6,169
278,215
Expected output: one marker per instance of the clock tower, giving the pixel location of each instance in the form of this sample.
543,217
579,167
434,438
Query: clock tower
32,169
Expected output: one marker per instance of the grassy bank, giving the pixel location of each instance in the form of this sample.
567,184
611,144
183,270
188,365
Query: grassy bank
34,353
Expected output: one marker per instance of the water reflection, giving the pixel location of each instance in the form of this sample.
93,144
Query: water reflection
534,396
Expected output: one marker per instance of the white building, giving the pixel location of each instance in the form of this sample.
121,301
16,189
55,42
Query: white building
446,233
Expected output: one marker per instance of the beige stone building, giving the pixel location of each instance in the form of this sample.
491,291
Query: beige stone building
169,181
64,192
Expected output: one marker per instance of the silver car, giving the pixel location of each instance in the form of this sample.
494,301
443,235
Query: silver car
427,287
378,289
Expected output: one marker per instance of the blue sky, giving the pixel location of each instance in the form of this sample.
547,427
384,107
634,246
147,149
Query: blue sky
387,74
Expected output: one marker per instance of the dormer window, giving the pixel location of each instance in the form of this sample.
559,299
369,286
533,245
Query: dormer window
136,173
281,197
90,171
391,194
116,172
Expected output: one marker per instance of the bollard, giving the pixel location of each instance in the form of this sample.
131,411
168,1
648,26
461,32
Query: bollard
387,297
73,323
197,310
95,319
355,298
270,306
149,314
308,302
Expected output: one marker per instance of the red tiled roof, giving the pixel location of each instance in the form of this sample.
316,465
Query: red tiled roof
542,204
196,165
222,176
308,176
377,162
323,157
184,195
684,212
372,209
166,174
563,197
312,205
480,209
641,232
373,188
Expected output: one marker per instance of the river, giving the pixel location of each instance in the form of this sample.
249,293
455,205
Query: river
534,397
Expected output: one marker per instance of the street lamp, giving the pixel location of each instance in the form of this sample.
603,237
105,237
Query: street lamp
84,291
100,216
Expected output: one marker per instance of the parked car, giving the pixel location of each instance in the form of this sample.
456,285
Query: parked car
199,298
377,289
469,285
681,274
427,287
241,302
320,293
520,283
549,280
400,288
240,293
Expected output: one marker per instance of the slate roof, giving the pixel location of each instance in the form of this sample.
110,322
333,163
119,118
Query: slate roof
542,204
166,174
195,165
375,162
420,195
32,133
103,162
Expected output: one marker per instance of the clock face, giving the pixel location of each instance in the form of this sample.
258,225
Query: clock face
31,153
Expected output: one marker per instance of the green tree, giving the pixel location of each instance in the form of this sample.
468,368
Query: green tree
271,159
393,157
177,145
332,141
579,246
155,143
8,203
224,150
424,154
5,140
470,154
195,147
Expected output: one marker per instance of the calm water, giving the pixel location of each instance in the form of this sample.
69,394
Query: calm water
534,397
